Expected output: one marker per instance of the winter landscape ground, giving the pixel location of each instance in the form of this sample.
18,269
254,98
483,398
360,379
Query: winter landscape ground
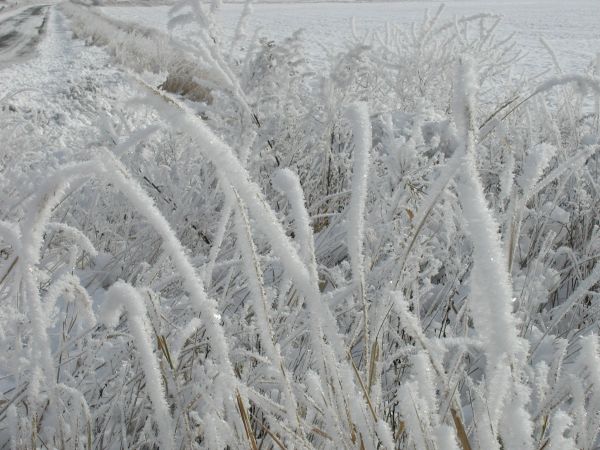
379,232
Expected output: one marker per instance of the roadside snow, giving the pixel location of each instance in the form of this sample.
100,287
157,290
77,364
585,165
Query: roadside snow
55,104
20,33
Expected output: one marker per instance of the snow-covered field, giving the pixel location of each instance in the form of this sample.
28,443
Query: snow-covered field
231,236
569,27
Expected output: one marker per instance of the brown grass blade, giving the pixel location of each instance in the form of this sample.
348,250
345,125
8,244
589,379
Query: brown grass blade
246,421
460,430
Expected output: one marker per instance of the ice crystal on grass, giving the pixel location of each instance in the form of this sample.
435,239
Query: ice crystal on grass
398,251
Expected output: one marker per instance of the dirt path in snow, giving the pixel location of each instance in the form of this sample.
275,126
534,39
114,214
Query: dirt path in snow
60,105
20,33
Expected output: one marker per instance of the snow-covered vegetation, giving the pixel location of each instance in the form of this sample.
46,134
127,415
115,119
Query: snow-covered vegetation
399,250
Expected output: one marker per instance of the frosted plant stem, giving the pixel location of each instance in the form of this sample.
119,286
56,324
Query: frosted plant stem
122,295
288,183
576,295
261,306
491,293
222,226
217,243
113,170
490,282
207,307
265,220
38,215
358,116
322,322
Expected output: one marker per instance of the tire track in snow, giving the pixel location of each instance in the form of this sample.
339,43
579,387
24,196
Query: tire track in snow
20,33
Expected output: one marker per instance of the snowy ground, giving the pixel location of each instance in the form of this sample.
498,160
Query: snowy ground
569,27
60,97
402,228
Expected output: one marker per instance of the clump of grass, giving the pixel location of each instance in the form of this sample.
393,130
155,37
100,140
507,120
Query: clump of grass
185,81
375,256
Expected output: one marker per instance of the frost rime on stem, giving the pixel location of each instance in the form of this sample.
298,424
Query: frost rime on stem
288,183
122,295
261,306
322,321
491,293
38,216
206,306
32,229
358,116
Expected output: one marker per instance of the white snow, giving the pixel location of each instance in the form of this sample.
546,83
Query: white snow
473,248
570,27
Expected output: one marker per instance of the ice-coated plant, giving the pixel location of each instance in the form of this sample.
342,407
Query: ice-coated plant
258,254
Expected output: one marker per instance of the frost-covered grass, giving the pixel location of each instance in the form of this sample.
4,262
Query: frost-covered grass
396,250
